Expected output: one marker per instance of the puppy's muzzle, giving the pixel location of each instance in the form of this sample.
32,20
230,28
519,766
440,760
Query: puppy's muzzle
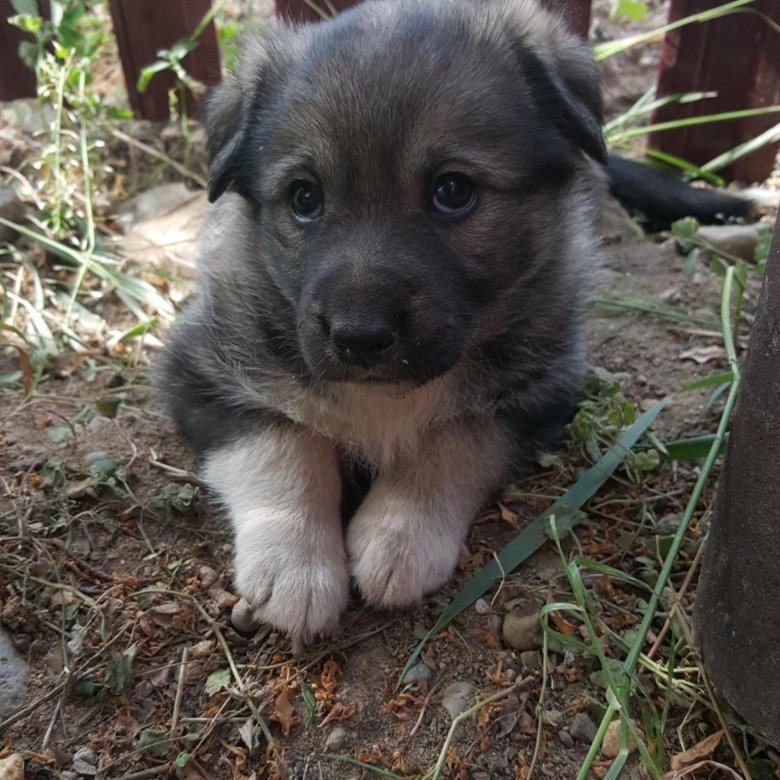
364,342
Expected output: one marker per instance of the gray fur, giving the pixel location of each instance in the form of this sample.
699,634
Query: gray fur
487,308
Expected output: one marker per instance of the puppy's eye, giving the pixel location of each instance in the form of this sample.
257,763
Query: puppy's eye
305,200
453,193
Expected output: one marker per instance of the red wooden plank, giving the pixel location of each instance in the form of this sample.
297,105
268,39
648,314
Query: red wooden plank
16,79
142,27
576,12
738,57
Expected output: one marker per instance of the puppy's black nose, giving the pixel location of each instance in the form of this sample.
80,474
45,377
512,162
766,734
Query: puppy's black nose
362,342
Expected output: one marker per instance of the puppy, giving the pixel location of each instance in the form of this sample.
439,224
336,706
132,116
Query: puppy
393,277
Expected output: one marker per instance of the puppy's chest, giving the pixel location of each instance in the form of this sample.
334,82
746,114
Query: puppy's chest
375,424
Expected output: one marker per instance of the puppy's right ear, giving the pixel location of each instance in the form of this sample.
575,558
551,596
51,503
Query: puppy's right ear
226,130
233,109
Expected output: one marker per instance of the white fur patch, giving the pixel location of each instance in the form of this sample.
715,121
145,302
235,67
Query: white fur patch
378,423
404,539
282,488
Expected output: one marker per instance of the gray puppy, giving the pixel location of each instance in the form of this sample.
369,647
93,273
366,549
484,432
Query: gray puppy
393,277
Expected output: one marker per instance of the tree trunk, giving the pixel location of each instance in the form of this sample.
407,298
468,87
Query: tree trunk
737,614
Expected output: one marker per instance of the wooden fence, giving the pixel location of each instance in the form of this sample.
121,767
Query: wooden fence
737,56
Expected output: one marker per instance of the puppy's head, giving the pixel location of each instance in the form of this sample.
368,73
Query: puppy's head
396,158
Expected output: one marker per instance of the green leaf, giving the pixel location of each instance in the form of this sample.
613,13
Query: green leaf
26,7
119,672
708,381
101,467
153,741
28,24
635,10
87,686
146,74
180,763
567,514
217,681
694,448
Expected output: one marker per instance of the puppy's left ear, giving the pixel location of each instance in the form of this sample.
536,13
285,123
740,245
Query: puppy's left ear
566,90
560,74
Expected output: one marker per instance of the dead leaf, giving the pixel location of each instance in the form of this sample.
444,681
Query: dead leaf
284,712
698,752
702,355
693,768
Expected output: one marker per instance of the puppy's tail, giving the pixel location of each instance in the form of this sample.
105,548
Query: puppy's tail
661,199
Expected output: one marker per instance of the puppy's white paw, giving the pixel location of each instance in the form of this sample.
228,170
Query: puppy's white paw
398,555
300,586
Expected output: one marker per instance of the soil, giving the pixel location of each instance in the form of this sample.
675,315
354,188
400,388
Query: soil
116,579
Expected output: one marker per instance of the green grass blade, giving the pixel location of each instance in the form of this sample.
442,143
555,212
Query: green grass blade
695,448
567,515
694,171
770,136
662,127
609,49
639,110
708,381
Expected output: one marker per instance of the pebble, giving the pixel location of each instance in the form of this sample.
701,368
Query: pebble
531,660
242,617
457,697
565,738
552,718
85,762
13,677
668,525
510,674
582,728
481,607
495,622
521,632
739,240
335,739
419,671
12,209
12,767
610,745
207,577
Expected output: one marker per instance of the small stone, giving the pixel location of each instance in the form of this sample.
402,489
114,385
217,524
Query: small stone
12,767
552,718
522,632
419,671
610,745
495,622
242,617
565,738
480,776
12,209
582,728
481,607
668,525
738,240
13,676
85,762
456,698
510,674
335,739
203,648
207,577
531,660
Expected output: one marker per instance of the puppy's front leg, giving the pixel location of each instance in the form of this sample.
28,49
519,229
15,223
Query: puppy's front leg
282,488
405,538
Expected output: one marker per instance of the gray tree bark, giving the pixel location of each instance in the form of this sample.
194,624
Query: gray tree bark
737,613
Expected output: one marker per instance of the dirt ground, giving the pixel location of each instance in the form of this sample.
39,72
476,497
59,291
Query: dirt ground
116,579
